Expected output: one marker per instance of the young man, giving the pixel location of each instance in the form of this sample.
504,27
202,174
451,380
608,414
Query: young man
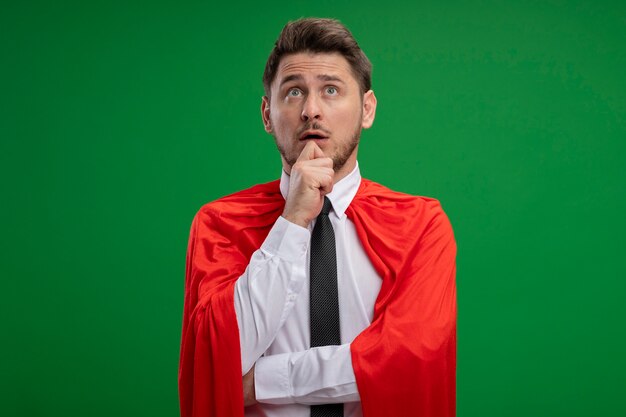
332,295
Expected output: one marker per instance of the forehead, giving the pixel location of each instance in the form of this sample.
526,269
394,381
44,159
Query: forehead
314,64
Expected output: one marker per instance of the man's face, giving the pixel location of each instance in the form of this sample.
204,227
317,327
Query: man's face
315,96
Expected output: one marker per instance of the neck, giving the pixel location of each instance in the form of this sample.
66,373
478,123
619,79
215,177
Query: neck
345,169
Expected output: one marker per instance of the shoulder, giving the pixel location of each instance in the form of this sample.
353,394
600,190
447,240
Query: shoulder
256,206
400,215
374,193
403,227
256,197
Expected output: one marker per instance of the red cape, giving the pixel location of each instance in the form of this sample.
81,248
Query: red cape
404,362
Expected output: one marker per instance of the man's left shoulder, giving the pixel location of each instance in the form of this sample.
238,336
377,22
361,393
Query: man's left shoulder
407,203
399,219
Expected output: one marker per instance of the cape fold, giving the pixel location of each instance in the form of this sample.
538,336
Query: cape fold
404,362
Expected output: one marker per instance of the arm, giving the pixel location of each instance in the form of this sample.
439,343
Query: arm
265,294
267,290
321,375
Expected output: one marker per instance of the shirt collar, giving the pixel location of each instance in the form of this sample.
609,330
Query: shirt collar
342,194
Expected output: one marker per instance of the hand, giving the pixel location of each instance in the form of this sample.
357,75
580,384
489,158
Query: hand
312,177
249,394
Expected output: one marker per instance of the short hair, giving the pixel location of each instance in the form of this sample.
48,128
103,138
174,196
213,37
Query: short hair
318,35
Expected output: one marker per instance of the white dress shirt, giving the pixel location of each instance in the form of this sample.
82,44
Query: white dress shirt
272,306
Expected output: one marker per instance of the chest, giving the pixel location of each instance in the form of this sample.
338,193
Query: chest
358,287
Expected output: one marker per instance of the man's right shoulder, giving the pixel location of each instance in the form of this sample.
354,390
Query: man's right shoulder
255,200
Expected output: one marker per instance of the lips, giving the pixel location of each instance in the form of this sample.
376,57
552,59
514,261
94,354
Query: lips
313,134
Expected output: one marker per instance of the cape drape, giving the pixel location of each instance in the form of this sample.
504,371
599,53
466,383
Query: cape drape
404,362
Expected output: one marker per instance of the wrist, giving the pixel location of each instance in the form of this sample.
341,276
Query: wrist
299,220
249,390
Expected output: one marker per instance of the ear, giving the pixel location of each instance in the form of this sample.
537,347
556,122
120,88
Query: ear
265,114
369,109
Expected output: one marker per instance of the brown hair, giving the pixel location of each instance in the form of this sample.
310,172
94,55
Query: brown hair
318,35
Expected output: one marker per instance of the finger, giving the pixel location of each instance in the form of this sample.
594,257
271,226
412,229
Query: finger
309,173
326,184
318,151
322,177
310,151
319,162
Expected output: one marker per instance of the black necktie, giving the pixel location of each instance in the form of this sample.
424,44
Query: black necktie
324,298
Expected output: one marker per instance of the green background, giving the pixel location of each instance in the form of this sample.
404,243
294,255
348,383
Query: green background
120,119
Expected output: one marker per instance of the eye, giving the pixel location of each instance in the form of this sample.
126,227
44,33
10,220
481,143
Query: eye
294,92
331,91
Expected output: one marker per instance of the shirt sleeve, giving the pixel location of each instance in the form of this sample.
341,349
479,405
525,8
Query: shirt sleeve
266,292
320,375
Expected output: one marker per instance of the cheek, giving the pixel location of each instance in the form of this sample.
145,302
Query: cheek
283,130
287,121
284,118
347,117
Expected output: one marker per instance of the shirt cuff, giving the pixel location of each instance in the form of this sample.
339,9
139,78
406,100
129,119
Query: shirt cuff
287,240
271,379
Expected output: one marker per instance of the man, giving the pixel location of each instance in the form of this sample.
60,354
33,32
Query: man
330,294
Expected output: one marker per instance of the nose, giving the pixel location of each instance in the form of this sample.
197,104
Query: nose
311,109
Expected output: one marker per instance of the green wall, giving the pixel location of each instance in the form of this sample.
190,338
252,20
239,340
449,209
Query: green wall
118,120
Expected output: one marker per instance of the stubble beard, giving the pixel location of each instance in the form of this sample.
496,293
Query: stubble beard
339,157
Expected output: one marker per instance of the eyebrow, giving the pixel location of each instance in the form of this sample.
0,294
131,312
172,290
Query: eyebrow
321,77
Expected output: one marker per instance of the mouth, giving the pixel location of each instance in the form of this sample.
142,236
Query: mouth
313,135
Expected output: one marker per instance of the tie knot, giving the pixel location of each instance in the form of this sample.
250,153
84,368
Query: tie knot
326,207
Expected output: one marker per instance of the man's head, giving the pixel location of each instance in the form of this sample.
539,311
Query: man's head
317,83
318,36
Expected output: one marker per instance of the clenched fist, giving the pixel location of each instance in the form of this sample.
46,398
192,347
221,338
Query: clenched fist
312,177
